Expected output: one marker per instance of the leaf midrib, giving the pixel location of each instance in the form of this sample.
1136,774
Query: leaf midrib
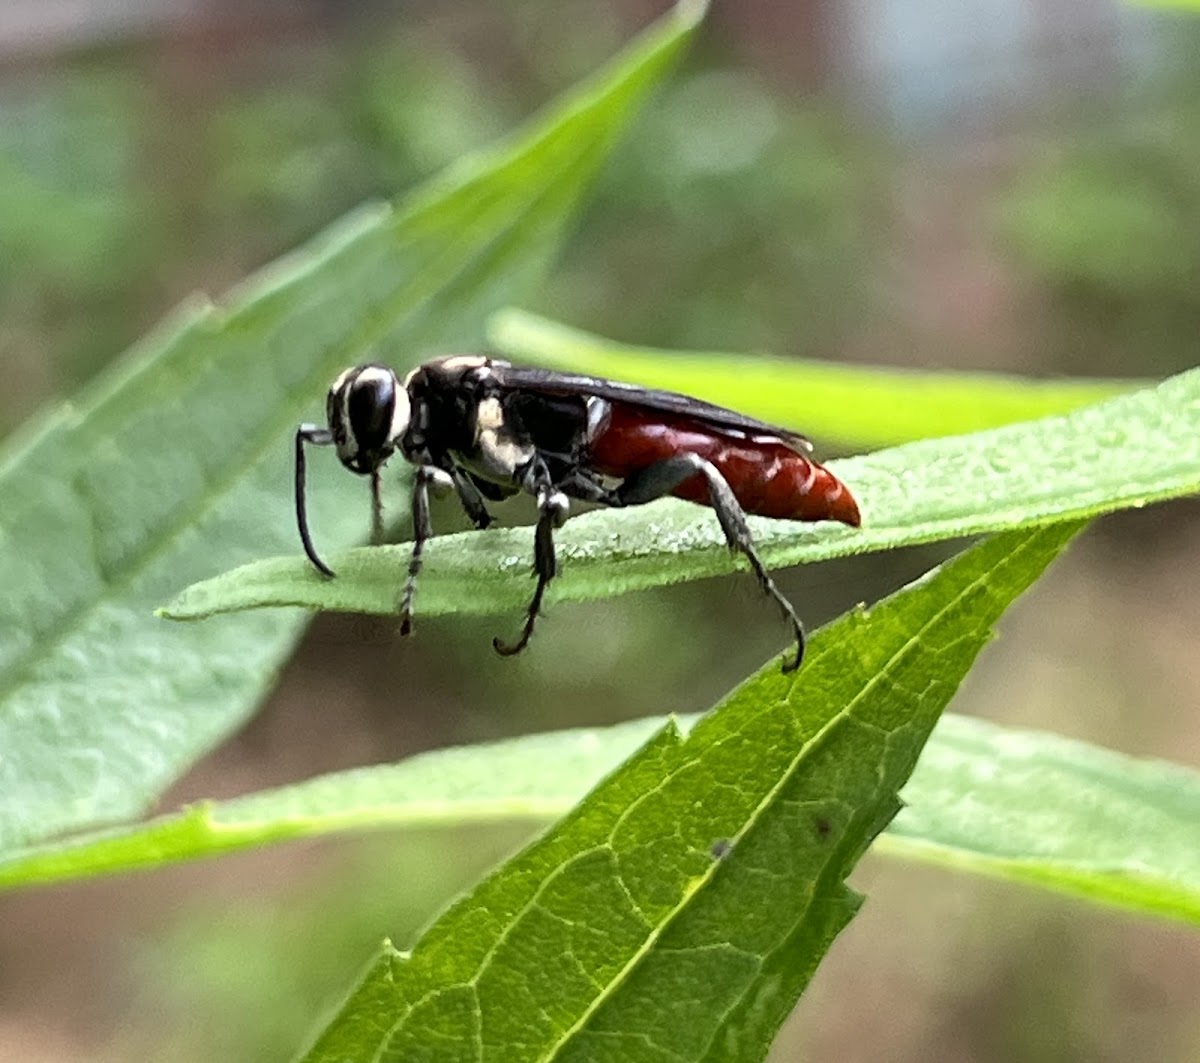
843,714
752,820
702,880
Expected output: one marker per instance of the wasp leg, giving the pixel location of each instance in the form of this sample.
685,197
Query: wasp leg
422,530
317,437
376,508
493,492
663,477
552,511
587,488
471,499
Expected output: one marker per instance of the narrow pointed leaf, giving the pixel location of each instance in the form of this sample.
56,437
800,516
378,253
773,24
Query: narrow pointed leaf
1132,450
1042,809
177,464
1057,813
678,911
1177,5
862,406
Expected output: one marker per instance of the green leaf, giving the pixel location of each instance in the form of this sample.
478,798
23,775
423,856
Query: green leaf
1132,450
1057,813
855,405
678,912
1045,810
1171,5
177,463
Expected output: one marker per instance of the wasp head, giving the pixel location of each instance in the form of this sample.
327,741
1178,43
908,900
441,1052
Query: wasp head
368,410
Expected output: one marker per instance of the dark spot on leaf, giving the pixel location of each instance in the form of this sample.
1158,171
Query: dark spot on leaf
721,848
823,827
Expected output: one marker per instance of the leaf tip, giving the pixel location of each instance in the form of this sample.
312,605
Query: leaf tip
691,12
172,611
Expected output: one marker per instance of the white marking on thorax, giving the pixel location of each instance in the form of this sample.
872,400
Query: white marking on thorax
498,452
464,361
489,416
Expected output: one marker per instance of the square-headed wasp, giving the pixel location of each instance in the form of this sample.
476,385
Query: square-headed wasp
488,429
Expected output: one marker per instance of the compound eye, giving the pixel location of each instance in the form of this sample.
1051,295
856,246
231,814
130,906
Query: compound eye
370,404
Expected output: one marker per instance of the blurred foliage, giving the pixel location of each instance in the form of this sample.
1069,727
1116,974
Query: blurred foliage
66,177
288,157
1107,218
748,225
75,241
748,220
272,966
111,206
1115,219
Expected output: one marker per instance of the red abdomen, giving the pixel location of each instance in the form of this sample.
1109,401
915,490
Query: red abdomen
769,478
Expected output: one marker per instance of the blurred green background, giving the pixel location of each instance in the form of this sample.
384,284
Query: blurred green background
961,183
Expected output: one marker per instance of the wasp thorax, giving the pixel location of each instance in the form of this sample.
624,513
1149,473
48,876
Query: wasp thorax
368,411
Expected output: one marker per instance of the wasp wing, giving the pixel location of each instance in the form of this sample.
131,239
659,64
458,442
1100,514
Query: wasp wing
551,382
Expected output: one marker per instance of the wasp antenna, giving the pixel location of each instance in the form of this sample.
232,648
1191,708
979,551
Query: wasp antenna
318,437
